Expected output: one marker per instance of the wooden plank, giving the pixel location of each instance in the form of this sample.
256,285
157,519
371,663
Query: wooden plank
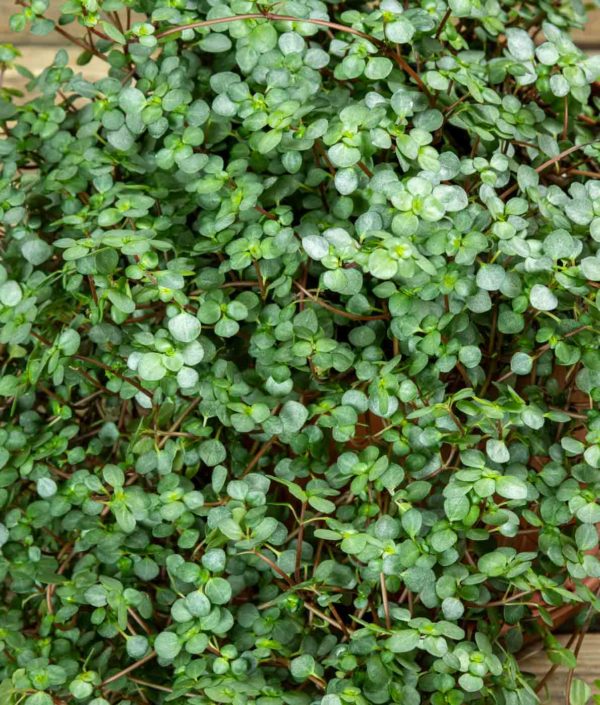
588,669
588,38
36,58
21,39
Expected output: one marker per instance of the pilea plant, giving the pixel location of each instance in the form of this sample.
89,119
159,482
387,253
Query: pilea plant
300,370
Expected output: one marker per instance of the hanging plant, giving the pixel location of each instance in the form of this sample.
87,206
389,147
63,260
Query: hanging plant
299,313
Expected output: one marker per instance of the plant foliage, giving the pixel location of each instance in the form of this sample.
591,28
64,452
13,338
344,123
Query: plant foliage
300,370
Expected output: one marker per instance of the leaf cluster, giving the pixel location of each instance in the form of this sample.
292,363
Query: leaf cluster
299,311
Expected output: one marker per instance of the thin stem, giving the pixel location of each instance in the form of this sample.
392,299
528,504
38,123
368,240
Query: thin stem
127,670
273,566
258,456
587,174
122,377
337,311
284,663
101,365
80,43
261,281
442,24
384,597
311,608
148,684
456,103
365,169
139,620
267,16
299,543
307,20
548,163
179,420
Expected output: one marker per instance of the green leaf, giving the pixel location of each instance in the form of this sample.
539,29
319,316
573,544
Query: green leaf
521,363
263,37
293,416
113,475
559,85
322,505
302,667
121,139
198,604
497,451
218,591
354,544
511,487
36,251
562,657
381,265
269,140
346,182
379,67
121,301
400,30
167,645
146,569
231,529
470,683
38,698
491,277
547,54
131,99
580,692
452,608
457,508
184,327
542,298
125,518
46,487
212,452
590,268
586,537
520,44
10,293
343,156
137,646
403,641
151,368
331,700
113,32
226,328
470,356
493,564
412,522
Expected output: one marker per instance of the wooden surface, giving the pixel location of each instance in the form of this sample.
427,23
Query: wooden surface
589,38
38,51
588,670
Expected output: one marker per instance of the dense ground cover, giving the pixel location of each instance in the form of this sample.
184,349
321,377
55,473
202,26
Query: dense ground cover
299,343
